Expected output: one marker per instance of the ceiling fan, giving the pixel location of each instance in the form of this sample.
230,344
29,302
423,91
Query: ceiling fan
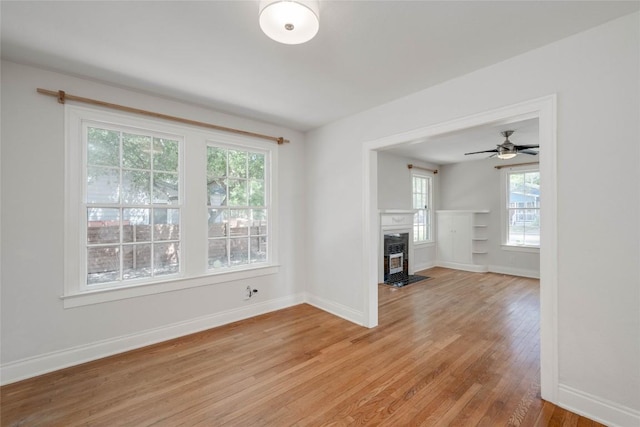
508,150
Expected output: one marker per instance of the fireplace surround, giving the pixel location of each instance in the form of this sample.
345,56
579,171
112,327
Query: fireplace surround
396,245
396,257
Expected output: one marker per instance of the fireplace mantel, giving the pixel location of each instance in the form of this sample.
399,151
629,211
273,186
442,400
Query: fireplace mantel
394,219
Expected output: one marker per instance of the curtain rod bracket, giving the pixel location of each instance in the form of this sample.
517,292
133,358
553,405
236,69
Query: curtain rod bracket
61,96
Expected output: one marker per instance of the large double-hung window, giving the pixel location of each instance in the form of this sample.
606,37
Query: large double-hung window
138,219
132,204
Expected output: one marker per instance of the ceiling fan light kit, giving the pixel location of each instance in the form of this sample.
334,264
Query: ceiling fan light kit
290,21
506,155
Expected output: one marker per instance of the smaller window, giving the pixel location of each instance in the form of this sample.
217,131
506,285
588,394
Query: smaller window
238,207
522,208
422,189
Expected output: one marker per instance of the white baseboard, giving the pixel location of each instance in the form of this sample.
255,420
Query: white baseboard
597,409
465,267
533,274
42,364
474,268
336,309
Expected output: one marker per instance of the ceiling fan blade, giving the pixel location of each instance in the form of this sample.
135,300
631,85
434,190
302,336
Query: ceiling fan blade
533,153
524,147
480,152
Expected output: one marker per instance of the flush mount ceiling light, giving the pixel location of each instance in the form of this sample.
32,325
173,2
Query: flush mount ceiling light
289,21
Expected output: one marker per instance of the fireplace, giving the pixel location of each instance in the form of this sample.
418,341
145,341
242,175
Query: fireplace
395,262
396,246
396,257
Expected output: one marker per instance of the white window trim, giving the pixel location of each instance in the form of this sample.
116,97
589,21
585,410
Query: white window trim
504,194
431,240
193,268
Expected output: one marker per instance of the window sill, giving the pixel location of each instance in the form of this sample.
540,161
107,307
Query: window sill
522,248
424,244
114,294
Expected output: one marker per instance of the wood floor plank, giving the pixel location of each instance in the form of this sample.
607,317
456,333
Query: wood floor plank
459,349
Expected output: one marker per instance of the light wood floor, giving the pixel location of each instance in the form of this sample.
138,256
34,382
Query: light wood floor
459,349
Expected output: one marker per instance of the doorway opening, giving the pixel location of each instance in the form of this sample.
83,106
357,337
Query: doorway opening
544,109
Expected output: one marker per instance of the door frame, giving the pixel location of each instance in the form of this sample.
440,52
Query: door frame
544,109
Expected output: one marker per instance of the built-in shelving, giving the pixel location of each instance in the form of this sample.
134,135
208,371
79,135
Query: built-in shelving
463,239
480,237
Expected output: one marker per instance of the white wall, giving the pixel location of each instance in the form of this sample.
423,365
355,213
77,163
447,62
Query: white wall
477,185
596,77
38,334
394,192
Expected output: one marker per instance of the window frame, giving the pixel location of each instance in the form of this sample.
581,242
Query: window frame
193,219
505,216
429,210
85,205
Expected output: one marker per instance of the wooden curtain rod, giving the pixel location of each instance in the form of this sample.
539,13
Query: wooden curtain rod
434,171
63,97
517,164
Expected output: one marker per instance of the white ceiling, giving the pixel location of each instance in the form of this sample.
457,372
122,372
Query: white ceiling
213,53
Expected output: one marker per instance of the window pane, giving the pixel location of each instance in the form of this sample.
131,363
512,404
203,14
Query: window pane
136,260
103,185
136,225
218,222
103,147
217,191
166,224
216,162
256,193
532,227
239,222
256,166
516,189
136,187
258,249
165,155
516,226
166,258
218,254
237,192
165,188
103,225
103,264
136,151
238,164
239,251
259,222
